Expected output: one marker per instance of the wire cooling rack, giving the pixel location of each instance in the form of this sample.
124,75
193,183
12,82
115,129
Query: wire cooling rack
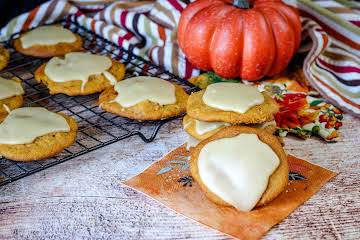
96,127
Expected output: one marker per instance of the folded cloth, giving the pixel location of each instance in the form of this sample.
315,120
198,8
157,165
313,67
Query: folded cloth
149,29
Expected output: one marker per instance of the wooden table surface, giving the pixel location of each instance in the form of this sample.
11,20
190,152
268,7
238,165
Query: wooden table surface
83,199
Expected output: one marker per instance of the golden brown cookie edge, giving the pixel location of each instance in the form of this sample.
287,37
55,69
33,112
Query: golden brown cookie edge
146,110
31,152
277,181
95,84
46,51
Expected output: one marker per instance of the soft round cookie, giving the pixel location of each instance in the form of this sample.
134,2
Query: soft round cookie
277,181
43,147
190,127
95,83
145,110
264,112
46,51
11,102
4,57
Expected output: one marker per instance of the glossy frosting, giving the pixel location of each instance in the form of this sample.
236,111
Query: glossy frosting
24,125
234,97
47,35
78,66
237,169
134,90
10,88
202,127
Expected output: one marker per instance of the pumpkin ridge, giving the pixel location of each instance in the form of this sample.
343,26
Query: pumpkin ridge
200,51
282,57
259,46
186,16
222,60
292,16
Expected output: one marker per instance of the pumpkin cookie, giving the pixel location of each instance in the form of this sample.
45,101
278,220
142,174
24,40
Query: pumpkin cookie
49,134
201,130
11,93
254,168
144,98
259,112
4,57
79,74
48,41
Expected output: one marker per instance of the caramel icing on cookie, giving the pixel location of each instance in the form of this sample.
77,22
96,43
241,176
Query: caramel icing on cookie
234,97
10,88
134,90
78,66
47,35
237,169
24,125
202,127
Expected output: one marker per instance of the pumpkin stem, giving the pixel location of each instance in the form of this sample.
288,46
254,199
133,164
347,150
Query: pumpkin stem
241,4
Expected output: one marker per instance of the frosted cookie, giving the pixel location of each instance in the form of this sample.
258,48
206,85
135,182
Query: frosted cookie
48,41
11,93
201,130
4,57
79,73
35,133
233,103
144,98
241,167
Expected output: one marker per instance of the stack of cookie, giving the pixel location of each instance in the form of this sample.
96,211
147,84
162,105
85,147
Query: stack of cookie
225,104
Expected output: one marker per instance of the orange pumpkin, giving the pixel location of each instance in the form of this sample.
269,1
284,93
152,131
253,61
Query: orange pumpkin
235,41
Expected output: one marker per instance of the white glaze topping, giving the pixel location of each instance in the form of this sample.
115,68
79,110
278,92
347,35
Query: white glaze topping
237,169
134,90
10,88
78,66
191,142
236,97
24,125
47,35
202,127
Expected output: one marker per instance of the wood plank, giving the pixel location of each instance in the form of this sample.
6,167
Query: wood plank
82,198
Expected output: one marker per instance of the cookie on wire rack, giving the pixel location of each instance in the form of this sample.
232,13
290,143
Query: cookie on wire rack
48,41
144,98
34,133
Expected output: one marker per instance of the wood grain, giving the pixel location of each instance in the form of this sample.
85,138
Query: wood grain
82,198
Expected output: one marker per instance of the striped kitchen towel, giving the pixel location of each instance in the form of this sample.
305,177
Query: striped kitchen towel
148,28
333,64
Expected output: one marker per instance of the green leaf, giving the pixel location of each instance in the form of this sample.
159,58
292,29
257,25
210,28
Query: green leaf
214,78
316,102
315,130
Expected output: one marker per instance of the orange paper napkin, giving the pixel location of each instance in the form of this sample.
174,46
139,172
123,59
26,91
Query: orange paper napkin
169,181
